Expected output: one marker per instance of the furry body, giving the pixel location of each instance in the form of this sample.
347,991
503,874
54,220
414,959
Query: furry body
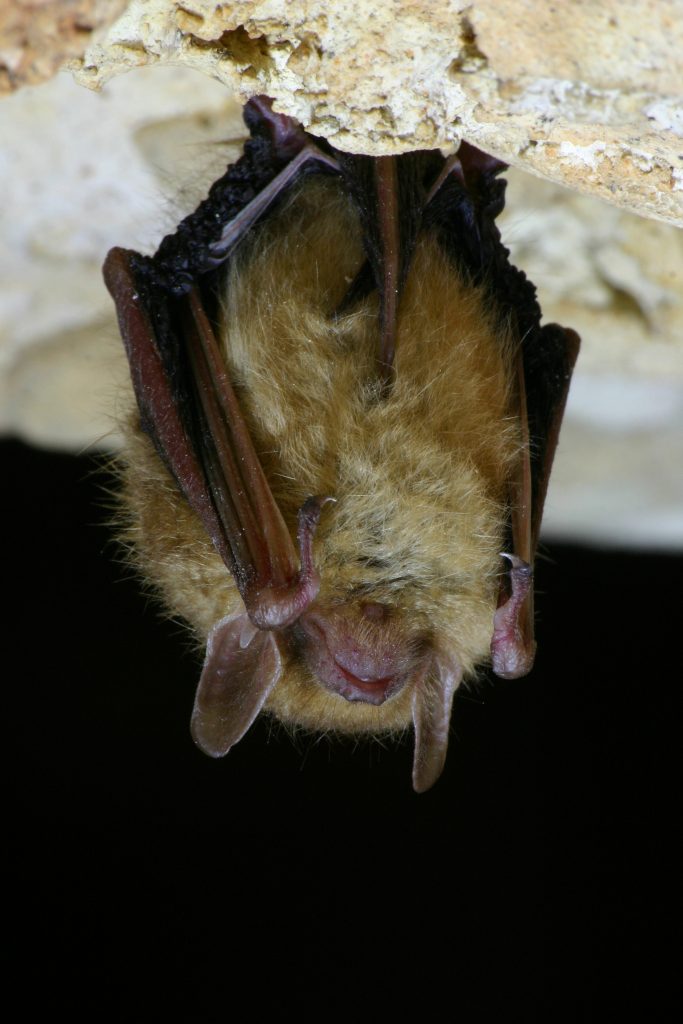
419,477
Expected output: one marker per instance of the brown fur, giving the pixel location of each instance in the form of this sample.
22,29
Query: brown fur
419,478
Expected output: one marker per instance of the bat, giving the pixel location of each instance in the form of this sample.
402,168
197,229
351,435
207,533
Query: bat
347,411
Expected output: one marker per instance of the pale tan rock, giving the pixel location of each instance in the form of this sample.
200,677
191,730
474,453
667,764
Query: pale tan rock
587,94
81,171
618,280
37,36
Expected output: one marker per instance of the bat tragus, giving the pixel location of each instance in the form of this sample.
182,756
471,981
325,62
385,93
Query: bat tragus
347,409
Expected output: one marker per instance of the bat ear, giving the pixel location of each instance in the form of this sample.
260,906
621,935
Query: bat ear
241,667
432,703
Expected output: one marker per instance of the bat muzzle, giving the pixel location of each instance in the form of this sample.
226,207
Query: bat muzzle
357,651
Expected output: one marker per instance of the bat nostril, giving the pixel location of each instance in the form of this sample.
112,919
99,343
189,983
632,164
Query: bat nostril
375,611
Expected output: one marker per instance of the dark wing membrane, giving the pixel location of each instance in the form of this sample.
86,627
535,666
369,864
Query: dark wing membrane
548,364
463,212
199,242
155,389
463,204
186,402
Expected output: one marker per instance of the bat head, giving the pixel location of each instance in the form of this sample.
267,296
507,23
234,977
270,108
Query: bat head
356,652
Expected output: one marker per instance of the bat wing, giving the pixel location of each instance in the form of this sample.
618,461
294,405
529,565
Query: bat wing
189,409
166,307
462,206
545,363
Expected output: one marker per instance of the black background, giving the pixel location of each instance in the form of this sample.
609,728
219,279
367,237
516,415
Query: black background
304,876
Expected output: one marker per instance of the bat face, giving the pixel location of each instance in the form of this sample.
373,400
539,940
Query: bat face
397,594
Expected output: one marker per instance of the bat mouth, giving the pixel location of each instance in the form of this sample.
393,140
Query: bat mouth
368,690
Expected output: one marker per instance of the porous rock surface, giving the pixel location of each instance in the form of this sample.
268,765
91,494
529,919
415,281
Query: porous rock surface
589,101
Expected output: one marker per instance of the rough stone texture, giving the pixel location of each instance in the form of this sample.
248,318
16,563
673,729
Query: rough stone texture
37,36
586,94
617,279
81,171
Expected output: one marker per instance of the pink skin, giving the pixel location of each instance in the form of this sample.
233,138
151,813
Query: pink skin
355,650
280,606
512,644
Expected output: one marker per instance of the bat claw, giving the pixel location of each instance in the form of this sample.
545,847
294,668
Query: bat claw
309,517
286,135
279,607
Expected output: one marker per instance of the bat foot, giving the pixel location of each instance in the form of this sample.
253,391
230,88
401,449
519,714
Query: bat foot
512,645
286,135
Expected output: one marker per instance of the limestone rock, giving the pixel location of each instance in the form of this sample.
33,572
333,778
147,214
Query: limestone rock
37,36
584,101
586,94
80,172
